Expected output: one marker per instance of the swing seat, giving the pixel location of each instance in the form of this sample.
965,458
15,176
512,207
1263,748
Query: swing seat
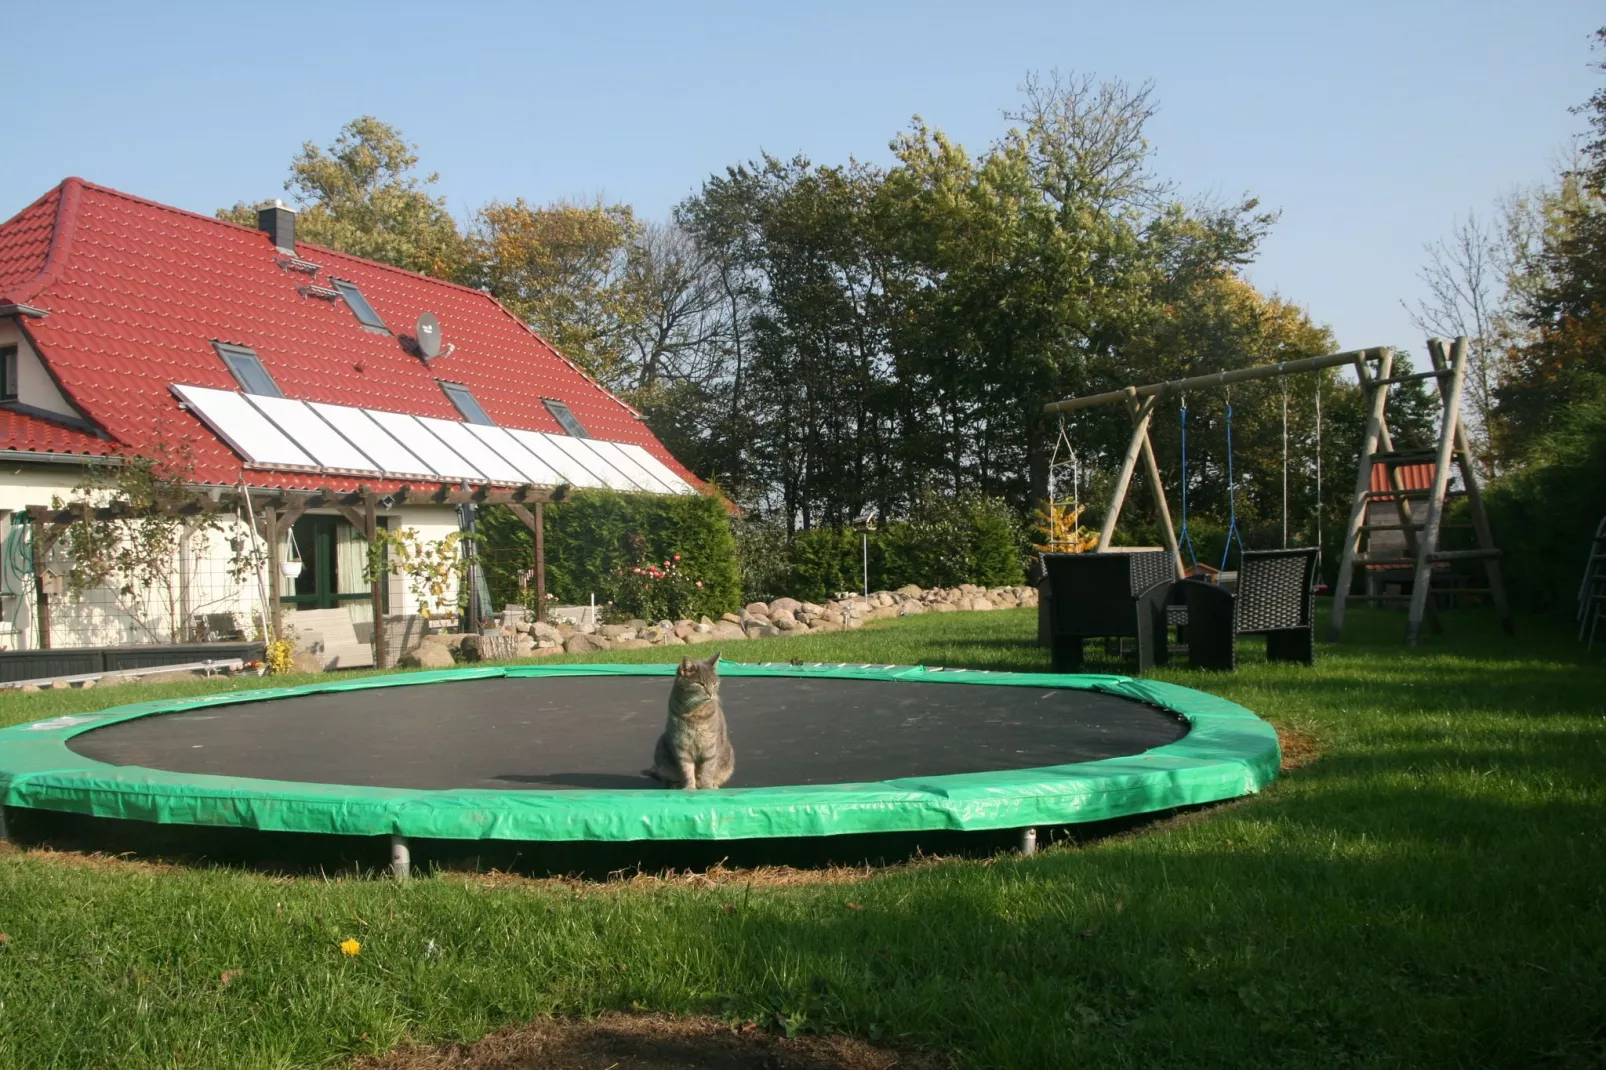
1274,598
1107,596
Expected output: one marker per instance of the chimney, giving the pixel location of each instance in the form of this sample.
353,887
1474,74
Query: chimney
280,224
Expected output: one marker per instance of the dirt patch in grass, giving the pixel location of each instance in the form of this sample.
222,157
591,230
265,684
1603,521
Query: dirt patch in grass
652,1042
1299,748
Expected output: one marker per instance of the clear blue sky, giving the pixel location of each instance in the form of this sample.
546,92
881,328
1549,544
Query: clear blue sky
1370,125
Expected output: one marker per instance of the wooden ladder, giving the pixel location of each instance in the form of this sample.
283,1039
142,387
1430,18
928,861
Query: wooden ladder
1592,592
1421,537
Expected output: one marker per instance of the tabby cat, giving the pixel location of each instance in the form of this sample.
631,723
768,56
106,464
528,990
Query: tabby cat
695,749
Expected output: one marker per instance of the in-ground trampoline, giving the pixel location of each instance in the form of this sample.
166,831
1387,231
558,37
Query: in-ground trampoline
553,755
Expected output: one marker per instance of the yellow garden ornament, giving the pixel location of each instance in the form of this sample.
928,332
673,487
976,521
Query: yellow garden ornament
1057,524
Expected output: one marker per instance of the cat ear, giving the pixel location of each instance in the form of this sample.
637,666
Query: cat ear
713,662
686,664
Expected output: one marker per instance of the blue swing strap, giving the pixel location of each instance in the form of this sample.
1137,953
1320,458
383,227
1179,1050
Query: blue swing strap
1232,498
1183,538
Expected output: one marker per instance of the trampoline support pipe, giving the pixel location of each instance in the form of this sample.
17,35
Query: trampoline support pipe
401,858
4,832
1028,841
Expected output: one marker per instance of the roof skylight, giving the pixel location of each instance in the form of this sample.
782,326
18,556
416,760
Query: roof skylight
463,398
566,419
247,369
359,305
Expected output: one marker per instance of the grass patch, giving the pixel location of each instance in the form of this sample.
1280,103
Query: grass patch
1424,889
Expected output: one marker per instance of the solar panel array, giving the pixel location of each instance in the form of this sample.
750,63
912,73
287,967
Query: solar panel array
285,433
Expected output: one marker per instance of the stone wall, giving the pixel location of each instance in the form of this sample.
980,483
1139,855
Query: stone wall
757,620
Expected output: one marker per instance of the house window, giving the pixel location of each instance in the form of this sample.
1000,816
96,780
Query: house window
359,305
247,370
464,400
8,373
560,412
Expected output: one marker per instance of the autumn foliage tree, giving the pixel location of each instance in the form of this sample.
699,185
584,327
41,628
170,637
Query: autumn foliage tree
361,196
563,268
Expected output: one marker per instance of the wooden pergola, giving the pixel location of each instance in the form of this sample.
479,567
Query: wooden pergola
275,511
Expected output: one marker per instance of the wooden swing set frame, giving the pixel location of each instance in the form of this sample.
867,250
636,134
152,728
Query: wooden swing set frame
1140,402
1422,535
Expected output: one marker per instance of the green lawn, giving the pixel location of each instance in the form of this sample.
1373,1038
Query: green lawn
1430,891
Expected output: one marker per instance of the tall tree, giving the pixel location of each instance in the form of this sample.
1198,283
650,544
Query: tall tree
1465,276
563,268
361,196
1564,299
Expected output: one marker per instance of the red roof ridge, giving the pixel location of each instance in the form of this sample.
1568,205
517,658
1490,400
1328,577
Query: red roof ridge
61,232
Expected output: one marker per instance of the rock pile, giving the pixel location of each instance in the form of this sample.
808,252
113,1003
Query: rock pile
757,620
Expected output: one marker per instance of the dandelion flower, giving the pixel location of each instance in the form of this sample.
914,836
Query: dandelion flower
350,946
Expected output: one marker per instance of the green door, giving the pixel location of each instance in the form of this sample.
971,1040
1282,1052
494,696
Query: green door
324,583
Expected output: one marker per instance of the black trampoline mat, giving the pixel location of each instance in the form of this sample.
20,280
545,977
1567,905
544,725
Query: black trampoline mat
562,732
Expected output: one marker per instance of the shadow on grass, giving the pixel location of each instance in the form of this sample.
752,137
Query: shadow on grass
308,854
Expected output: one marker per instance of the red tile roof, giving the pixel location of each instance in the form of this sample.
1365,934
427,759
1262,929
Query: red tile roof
1412,476
137,292
36,434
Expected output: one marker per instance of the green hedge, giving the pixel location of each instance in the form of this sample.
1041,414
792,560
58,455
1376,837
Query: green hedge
946,542
1544,514
595,537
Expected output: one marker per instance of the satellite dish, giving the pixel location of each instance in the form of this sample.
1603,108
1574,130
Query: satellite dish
429,335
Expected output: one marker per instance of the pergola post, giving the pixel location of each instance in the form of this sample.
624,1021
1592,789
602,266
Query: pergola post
41,595
270,535
536,522
540,561
376,588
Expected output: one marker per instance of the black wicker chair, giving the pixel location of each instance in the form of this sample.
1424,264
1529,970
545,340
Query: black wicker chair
1274,598
1108,595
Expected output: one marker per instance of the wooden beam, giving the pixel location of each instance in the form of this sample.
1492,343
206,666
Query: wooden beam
1480,518
540,561
1450,395
268,518
1140,438
1217,379
376,589
1357,509
1152,469
536,522
356,514
41,596
1385,442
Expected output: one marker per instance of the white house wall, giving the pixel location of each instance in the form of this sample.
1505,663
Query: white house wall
100,618
34,385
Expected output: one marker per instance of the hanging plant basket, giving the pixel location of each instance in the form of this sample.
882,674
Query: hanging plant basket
291,565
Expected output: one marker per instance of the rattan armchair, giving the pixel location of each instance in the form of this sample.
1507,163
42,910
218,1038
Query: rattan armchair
1106,595
1274,597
